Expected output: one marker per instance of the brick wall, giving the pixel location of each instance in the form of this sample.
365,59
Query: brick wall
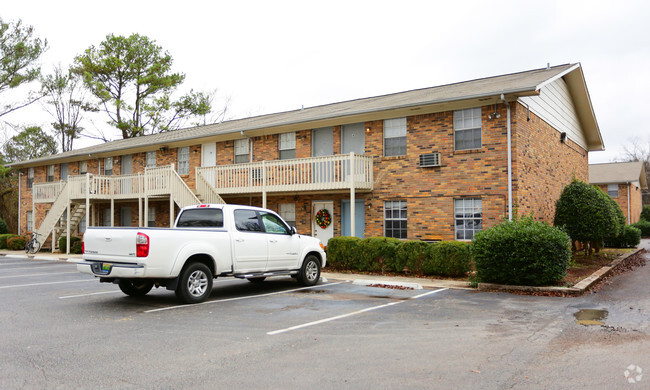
635,200
542,164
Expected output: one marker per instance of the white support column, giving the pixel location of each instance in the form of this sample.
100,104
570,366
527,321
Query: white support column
264,183
87,201
67,230
171,211
112,212
145,187
352,197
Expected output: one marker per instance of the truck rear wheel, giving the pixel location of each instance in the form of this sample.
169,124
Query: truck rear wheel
135,288
309,273
194,284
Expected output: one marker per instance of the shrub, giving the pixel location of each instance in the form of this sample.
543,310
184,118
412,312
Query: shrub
3,227
341,251
75,248
520,252
376,254
411,254
630,238
4,238
63,242
645,213
586,213
448,258
644,226
16,243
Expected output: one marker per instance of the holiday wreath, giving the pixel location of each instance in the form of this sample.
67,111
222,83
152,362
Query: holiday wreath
323,218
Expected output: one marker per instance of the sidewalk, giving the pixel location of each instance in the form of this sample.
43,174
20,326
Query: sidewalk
46,256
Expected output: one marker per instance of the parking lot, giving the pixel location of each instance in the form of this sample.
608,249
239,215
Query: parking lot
62,329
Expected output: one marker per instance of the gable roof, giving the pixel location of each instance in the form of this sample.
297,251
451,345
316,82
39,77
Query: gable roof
621,172
420,101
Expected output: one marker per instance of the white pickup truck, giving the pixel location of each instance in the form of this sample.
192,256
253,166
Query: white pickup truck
207,241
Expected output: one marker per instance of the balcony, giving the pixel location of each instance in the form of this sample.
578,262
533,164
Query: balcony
328,173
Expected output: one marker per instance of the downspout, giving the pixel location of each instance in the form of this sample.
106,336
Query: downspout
629,215
509,158
20,200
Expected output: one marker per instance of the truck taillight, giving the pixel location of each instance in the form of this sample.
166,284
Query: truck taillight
83,248
142,245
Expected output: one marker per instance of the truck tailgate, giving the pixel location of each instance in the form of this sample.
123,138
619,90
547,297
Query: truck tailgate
110,242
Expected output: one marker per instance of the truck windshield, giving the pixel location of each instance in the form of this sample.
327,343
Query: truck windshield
201,218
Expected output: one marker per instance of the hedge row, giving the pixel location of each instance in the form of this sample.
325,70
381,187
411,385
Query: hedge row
16,243
74,247
630,238
382,254
3,240
644,226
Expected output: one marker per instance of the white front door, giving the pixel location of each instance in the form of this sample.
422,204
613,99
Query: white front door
209,159
322,233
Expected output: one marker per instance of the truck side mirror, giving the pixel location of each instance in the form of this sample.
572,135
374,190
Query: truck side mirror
293,230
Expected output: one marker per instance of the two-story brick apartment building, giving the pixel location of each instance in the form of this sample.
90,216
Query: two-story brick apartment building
432,164
624,182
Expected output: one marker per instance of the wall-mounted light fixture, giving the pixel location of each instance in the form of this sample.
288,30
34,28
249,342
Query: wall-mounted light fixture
367,129
495,114
164,149
563,137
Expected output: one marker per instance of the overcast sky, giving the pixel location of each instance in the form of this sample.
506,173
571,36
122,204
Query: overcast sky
271,56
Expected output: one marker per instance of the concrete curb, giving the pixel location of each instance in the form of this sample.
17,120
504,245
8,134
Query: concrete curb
578,289
366,282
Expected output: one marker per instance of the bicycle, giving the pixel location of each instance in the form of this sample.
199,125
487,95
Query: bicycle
33,246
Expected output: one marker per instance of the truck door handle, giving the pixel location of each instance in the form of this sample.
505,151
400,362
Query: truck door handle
239,240
273,241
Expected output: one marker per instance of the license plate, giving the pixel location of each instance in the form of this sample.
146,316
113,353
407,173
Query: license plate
101,268
106,267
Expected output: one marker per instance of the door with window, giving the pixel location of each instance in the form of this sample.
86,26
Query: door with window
353,140
127,169
325,231
359,218
250,244
209,159
283,246
64,172
322,145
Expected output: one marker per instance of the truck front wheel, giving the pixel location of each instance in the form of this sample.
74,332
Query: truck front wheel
309,273
194,284
135,288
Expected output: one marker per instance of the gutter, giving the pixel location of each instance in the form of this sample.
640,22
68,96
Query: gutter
629,215
509,125
19,200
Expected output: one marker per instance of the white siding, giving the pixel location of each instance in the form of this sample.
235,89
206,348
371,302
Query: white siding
555,106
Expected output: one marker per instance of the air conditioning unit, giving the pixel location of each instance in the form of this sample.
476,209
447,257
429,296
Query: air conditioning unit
430,160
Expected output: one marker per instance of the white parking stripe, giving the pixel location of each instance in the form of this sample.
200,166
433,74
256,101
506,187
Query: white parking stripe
119,291
47,274
245,297
33,268
350,314
46,283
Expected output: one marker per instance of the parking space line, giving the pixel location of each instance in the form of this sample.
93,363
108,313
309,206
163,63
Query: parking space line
47,274
24,268
240,298
350,314
46,283
118,291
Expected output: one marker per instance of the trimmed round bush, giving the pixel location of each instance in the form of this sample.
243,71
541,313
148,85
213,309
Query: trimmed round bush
4,238
644,226
63,242
411,254
645,213
341,251
448,258
3,227
16,243
586,213
521,252
630,238
376,254
75,248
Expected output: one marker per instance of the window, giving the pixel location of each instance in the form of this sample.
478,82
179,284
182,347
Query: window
30,221
467,129
247,221
202,217
151,217
612,190
273,224
30,177
107,217
241,151
184,161
151,159
108,166
395,218
469,217
64,171
287,146
83,167
395,137
50,173
288,212
82,225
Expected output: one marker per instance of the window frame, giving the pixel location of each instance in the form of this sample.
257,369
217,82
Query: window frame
466,218
30,177
610,191
108,162
462,129
389,124
238,148
183,160
30,220
83,167
147,159
151,216
50,173
401,230
287,209
287,147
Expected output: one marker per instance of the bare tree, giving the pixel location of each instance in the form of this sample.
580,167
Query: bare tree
637,150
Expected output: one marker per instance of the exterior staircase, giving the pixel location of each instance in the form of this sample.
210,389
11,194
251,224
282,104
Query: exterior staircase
207,193
77,213
54,215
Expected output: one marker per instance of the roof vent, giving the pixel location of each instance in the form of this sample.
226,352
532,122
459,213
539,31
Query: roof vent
429,160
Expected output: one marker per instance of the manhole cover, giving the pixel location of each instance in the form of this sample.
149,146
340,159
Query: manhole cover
591,316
